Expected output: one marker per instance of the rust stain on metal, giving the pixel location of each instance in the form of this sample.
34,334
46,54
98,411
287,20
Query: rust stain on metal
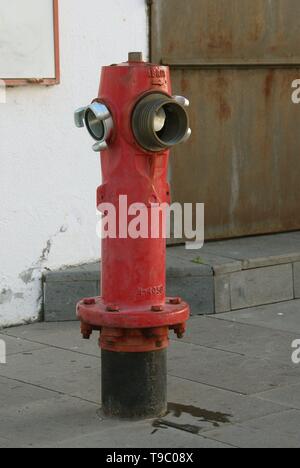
184,83
171,47
258,28
222,82
224,110
220,41
269,81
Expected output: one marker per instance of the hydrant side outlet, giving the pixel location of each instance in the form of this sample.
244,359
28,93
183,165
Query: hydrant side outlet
134,121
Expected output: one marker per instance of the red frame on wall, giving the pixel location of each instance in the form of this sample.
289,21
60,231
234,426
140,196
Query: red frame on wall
44,81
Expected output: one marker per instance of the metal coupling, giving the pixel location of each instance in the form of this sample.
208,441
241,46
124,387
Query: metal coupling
160,122
99,123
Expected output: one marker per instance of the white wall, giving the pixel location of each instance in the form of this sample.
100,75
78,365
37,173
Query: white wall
48,173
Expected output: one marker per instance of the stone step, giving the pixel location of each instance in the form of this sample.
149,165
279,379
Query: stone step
221,277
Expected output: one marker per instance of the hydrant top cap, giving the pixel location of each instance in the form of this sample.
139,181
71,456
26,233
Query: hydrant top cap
135,57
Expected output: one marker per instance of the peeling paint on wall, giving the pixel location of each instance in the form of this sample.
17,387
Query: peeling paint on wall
46,251
6,295
19,296
27,276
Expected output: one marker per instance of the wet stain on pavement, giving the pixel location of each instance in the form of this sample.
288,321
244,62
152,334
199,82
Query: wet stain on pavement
200,415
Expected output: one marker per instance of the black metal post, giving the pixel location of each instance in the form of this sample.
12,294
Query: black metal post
134,385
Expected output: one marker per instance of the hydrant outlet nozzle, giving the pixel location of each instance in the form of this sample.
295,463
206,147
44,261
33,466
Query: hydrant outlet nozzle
160,122
98,121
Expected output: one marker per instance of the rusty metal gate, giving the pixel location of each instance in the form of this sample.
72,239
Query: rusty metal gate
236,60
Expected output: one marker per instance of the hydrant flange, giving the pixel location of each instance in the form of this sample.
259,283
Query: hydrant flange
134,329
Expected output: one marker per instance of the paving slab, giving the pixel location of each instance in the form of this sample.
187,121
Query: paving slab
45,420
6,444
222,294
260,262
219,264
284,316
275,431
139,435
65,335
181,266
257,247
205,407
297,279
240,374
241,338
288,396
86,272
198,291
62,298
261,286
59,370
17,345
14,393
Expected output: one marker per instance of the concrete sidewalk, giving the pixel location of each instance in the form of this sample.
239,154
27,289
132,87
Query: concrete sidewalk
232,383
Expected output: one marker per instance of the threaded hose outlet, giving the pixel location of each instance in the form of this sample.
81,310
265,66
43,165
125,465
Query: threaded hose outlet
160,122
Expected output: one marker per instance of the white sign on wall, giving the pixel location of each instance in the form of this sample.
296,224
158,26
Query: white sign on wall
29,51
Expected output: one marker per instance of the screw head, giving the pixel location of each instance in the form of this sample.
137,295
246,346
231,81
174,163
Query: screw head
157,308
180,331
86,331
176,301
113,308
89,301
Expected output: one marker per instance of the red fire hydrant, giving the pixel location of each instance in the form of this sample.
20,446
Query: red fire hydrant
135,121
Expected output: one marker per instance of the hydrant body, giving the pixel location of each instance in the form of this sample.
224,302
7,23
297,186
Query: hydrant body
133,314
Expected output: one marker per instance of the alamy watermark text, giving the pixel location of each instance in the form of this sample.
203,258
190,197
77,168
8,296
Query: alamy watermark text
152,221
2,352
296,353
296,92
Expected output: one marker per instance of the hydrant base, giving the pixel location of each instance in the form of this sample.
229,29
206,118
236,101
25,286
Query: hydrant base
134,385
